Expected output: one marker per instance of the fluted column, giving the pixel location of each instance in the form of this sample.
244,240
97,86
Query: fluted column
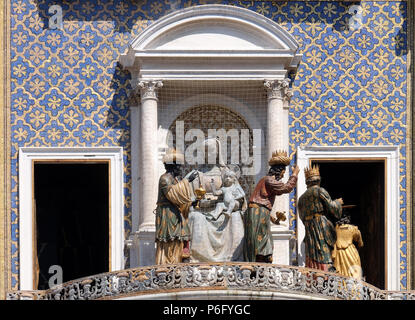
148,152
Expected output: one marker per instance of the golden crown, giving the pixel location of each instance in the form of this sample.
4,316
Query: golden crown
311,172
279,157
173,156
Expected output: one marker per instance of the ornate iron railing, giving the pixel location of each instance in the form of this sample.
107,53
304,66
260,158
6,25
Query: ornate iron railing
214,276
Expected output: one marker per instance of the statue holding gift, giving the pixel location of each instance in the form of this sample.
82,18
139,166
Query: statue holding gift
174,200
314,205
258,240
345,256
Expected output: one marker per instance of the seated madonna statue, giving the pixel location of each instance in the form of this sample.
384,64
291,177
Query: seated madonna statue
216,224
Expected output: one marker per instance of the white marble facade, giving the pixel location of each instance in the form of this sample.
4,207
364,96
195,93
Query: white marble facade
212,43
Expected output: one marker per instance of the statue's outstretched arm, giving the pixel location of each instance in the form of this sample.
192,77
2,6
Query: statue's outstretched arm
334,207
278,187
214,190
187,175
357,237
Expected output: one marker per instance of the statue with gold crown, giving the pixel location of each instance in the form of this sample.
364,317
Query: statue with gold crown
258,239
175,197
314,206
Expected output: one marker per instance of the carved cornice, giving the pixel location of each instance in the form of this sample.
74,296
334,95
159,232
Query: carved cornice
278,89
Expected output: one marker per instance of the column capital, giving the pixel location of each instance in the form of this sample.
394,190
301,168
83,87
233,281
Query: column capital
148,89
278,89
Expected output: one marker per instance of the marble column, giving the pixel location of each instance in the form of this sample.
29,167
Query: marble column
277,95
132,242
148,152
277,139
145,177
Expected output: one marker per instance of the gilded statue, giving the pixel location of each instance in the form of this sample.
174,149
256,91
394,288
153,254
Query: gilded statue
175,198
258,240
345,256
314,206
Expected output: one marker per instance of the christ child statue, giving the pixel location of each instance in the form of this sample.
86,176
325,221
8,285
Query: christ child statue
231,191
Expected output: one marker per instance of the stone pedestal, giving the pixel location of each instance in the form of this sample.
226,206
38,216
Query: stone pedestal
281,237
146,247
142,247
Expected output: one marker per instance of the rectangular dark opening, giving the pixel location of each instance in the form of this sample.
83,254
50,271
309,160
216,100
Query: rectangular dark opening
71,202
361,183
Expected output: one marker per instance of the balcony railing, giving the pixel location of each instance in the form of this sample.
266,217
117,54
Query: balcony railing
302,282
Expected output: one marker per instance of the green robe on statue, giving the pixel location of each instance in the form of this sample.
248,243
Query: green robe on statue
172,228
320,236
258,233
170,222
258,238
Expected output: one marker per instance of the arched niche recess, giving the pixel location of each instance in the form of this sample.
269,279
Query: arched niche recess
213,43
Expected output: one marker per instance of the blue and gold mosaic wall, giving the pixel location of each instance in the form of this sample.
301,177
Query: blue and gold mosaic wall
67,88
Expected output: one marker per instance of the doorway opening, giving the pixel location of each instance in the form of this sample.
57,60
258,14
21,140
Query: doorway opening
72,216
362,183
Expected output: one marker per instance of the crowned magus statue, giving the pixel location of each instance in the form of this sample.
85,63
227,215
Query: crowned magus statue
174,200
314,206
258,240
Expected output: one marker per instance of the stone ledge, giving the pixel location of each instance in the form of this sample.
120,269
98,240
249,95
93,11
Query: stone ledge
241,280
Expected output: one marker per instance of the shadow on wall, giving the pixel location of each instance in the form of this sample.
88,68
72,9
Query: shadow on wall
401,37
119,111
